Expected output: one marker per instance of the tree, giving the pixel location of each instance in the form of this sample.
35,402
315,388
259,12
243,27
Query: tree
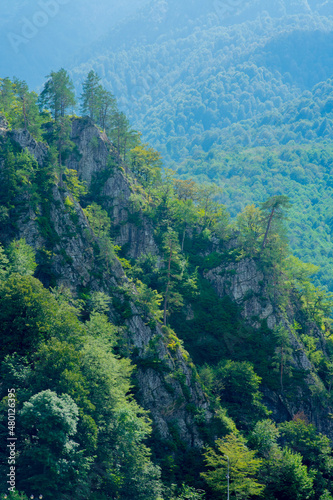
74,185
96,102
26,109
249,225
145,163
100,224
209,209
186,189
283,353
21,258
287,478
50,460
4,264
174,270
302,437
8,177
243,469
7,97
274,208
58,94
61,138
189,493
26,312
98,219
237,384
187,192
27,169
121,134
264,438
107,109
90,98
122,459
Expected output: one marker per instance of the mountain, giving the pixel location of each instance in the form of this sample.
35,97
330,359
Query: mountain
139,324
213,86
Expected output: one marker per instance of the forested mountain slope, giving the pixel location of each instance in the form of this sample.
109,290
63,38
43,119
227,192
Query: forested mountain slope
107,262
226,93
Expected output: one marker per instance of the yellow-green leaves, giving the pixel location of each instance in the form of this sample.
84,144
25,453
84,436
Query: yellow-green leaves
243,468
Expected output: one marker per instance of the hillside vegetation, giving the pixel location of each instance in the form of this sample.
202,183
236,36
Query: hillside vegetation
241,97
231,342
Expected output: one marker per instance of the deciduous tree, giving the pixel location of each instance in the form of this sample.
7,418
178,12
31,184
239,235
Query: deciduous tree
243,468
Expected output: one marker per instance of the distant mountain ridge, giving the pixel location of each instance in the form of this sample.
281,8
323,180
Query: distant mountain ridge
206,81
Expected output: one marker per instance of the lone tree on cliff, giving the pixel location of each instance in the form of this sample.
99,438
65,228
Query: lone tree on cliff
58,94
274,210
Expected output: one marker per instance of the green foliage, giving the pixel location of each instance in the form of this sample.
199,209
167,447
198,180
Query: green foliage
100,224
283,353
25,314
120,440
20,106
82,432
19,177
188,493
264,438
243,468
58,94
145,164
76,187
315,448
50,460
149,301
173,272
3,264
98,219
237,385
287,478
21,258
59,351
99,326
17,496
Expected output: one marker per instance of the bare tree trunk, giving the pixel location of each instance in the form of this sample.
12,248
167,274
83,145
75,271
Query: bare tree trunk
167,288
268,228
183,240
281,372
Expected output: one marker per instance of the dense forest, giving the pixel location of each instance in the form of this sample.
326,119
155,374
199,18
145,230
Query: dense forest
238,94
152,345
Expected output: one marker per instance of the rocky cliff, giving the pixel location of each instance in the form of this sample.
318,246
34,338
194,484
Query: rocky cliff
173,401
248,286
166,381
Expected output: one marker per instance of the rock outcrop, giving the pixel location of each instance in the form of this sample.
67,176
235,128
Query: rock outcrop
72,263
247,285
99,165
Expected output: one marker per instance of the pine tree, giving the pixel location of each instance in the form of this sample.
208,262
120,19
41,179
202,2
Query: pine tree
58,94
90,97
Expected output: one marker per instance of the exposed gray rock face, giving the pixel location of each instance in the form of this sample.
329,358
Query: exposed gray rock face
248,287
3,126
74,264
99,164
245,285
26,141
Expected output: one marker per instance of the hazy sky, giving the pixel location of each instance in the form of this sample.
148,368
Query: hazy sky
37,36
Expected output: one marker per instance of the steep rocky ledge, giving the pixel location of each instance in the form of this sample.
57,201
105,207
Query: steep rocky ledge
173,401
247,285
98,164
